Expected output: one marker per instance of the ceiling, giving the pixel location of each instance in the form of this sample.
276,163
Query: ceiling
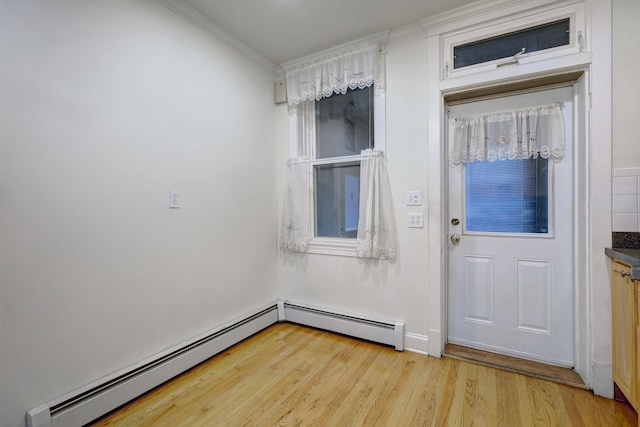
284,30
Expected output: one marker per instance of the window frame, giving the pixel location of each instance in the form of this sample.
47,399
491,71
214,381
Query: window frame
318,164
302,133
504,26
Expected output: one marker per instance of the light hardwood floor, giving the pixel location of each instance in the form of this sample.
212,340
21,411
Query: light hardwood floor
534,369
289,375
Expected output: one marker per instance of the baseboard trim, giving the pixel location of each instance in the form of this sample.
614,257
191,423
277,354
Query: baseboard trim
356,325
602,380
416,343
98,398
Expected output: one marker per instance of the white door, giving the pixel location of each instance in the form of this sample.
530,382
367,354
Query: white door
511,289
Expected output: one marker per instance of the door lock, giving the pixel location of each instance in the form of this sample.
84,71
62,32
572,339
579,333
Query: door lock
455,238
455,221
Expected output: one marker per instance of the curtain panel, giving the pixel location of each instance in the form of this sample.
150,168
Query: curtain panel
377,234
294,235
356,65
509,135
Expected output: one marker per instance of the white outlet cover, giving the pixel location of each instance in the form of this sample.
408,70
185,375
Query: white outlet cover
414,198
416,220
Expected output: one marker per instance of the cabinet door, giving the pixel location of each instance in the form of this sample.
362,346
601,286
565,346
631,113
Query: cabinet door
623,305
637,355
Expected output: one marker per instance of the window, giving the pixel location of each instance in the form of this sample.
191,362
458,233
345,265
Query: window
548,33
336,116
507,196
344,127
529,40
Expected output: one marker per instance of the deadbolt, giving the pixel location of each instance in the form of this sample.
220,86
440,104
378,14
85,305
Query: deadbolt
455,221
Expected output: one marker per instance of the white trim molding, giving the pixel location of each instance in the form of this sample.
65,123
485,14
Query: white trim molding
626,172
481,11
416,343
90,402
193,16
592,63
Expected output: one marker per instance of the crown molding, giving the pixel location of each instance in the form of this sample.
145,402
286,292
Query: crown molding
196,18
482,11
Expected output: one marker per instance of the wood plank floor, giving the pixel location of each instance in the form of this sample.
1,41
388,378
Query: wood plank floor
527,367
289,375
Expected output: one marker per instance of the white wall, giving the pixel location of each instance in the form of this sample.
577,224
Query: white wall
626,106
105,106
626,86
400,290
394,290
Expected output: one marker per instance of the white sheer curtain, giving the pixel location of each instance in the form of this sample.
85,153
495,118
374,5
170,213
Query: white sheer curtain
517,134
357,65
377,236
294,235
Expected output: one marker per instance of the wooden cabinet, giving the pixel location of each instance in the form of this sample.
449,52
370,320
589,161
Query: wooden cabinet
626,331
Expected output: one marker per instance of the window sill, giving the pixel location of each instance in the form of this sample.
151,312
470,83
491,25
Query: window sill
332,246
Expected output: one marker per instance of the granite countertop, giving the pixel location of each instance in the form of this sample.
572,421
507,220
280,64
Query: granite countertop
626,248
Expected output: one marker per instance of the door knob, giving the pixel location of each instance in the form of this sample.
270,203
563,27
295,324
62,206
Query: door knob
455,238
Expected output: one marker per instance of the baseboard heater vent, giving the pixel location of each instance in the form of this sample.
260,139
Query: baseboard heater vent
380,331
85,405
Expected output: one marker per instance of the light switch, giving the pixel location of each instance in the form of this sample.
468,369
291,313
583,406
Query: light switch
174,200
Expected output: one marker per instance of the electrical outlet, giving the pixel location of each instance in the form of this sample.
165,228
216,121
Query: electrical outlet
416,220
174,200
414,198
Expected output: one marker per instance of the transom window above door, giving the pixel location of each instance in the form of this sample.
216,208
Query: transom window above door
514,40
533,39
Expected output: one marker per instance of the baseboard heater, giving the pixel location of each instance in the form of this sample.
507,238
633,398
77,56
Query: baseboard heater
85,405
380,331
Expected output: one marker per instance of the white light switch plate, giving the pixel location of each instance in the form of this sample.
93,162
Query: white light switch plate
174,200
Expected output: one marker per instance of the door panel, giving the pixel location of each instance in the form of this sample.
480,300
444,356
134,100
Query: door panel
511,274
479,288
533,295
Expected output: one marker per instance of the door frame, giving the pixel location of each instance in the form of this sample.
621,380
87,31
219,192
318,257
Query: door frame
438,226
572,82
592,184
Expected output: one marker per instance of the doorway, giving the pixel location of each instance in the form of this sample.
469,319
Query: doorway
510,244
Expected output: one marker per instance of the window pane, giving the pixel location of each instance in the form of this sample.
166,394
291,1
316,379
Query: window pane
344,124
337,200
509,196
532,39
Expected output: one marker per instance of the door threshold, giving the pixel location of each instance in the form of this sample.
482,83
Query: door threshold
540,370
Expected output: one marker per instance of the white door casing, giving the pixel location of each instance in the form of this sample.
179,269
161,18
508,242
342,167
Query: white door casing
513,293
592,170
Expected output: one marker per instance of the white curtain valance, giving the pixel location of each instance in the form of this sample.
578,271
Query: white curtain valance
509,135
356,65
377,235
